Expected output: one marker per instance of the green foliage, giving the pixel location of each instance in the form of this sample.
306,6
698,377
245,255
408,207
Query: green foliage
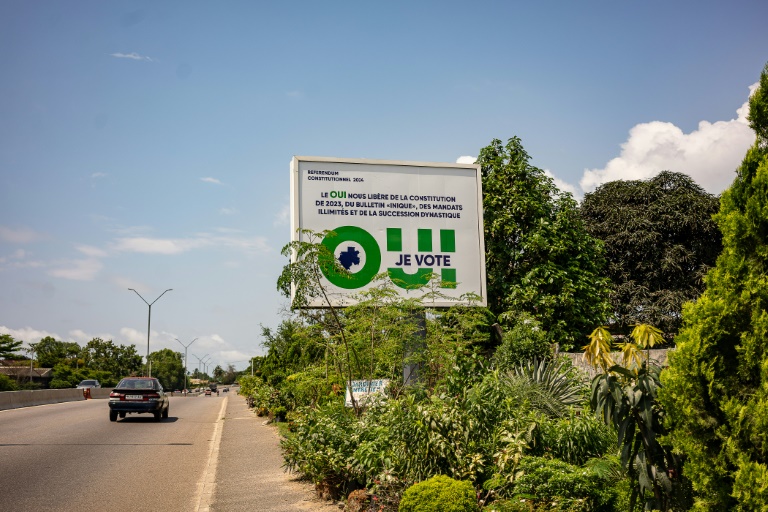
659,240
49,352
556,485
117,360
168,368
539,257
575,438
320,444
716,388
547,383
7,383
439,494
525,341
627,398
474,427
66,376
9,347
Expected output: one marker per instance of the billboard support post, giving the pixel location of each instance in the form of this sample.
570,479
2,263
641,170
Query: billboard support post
416,345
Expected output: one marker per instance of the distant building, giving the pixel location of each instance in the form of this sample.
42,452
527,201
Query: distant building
24,373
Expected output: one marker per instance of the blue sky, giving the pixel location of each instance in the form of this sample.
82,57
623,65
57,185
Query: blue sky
147,145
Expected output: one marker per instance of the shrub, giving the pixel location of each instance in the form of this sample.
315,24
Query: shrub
439,494
6,383
556,485
576,438
524,342
320,445
514,505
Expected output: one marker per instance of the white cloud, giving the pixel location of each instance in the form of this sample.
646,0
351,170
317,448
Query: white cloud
82,337
134,336
126,283
562,185
99,175
211,180
132,56
227,211
79,270
147,245
27,334
19,236
157,245
91,251
282,217
710,154
466,160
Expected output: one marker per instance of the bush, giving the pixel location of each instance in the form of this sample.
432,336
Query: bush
6,383
60,384
556,485
439,494
319,446
576,438
524,342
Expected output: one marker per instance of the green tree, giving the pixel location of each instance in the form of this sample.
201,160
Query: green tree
50,351
660,240
230,375
168,368
118,360
716,388
9,347
539,257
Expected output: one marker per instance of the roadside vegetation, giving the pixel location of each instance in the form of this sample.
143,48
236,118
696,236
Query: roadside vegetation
72,363
496,417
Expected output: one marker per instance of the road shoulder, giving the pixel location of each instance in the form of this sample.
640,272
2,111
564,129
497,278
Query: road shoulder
250,475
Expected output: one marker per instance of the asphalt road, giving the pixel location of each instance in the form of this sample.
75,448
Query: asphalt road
70,457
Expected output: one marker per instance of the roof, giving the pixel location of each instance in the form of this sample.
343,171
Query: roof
23,371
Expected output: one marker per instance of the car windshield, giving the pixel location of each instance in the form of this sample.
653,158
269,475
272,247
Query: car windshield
136,384
87,383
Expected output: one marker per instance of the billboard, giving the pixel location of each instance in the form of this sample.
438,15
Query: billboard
412,220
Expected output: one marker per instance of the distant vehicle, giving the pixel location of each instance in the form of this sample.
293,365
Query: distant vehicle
213,387
88,384
207,392
224,390
137,395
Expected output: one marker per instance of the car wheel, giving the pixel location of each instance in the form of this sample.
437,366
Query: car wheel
122,415
158,415
112,415
166,411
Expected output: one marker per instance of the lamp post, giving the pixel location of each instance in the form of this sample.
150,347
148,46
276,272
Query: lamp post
185,361
200,361
205,367
149,321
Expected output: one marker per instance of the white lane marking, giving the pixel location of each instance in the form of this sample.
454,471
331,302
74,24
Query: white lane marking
207,484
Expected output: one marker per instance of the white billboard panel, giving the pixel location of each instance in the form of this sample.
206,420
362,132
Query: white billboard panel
410,219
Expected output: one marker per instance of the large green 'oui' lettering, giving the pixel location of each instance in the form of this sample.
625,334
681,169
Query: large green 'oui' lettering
398,275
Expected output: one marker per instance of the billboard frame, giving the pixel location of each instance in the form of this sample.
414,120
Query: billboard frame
296,224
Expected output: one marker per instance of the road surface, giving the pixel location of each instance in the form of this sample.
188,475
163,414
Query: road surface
70,457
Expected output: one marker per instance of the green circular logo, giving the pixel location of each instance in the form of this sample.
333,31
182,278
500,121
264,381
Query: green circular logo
363,276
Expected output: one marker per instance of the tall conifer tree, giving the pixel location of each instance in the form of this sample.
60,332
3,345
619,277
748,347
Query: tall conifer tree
716,388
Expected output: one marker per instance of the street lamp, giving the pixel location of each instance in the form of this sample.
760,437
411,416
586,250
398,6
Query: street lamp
185,361
149,320
205,366
200,361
